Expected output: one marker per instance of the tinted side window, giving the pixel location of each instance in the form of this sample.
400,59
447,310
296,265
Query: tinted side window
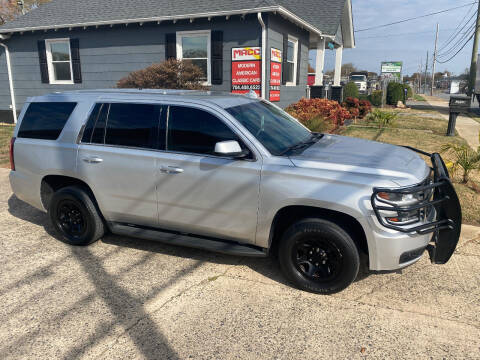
133,125
98,136
195,131
45,120
87,133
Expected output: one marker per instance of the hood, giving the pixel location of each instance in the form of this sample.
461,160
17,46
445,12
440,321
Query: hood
358,156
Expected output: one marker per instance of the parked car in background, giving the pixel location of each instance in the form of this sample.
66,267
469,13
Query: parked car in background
233,174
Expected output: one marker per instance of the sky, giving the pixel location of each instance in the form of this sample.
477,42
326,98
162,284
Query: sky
410,41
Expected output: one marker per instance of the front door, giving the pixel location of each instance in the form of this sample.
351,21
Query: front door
199,192
117,159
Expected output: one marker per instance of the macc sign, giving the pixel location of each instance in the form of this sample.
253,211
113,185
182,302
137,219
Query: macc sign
246,54
246,70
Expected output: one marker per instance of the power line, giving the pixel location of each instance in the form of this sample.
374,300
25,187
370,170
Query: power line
401,34
454,34
415,18
470,38
469,22
458,43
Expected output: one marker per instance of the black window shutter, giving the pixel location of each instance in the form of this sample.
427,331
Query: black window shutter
76,67
284,62
217,57
170,46
299,61
42,56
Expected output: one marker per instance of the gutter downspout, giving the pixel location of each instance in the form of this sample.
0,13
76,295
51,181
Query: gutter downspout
264,54
10,79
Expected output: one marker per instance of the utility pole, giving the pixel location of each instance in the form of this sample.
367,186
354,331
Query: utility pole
434,62
420,76
473,66
426,76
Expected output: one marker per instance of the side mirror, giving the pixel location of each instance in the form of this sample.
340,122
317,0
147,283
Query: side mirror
230,148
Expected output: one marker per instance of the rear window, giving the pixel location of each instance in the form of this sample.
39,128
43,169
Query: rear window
45,120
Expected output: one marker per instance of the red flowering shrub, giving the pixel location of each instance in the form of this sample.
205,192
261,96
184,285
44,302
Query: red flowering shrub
357,108
330,111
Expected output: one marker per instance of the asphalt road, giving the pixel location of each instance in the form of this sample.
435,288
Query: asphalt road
131,299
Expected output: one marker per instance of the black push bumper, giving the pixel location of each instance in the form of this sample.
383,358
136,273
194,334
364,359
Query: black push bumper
437,206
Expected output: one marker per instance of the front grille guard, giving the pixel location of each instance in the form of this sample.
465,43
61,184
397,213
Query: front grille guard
440,180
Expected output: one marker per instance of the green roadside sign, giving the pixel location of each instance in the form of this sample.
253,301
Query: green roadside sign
392,70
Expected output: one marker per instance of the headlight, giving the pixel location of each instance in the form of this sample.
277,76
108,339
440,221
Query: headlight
398,200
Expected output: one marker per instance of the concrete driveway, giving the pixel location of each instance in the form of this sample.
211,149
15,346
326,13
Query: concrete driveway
129,299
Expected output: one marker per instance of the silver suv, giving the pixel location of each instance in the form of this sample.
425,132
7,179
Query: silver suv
233,174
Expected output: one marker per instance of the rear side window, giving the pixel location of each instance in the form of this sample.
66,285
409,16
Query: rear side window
133,125
45,120
125,124
196,131
95,129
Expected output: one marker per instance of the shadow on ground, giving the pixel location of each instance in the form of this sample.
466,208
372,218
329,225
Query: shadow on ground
267,267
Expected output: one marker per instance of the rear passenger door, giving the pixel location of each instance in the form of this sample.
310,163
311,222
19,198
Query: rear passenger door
116,158
202,193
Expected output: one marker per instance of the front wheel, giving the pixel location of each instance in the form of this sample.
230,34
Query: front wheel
318,256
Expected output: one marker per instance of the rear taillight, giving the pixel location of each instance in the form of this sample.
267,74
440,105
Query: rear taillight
12,160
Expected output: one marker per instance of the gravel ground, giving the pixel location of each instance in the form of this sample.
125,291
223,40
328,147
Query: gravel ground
131,299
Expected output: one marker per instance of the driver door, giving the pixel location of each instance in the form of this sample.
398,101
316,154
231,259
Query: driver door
201,193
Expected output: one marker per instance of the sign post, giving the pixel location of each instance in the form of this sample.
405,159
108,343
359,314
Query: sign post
247,70
275,74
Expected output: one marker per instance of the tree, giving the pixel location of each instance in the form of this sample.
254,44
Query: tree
170,74
348,68
10,9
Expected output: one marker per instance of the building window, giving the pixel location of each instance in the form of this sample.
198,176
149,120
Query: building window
194,46
59,61
291,72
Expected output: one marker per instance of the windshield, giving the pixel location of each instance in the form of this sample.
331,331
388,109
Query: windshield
274,128
358,78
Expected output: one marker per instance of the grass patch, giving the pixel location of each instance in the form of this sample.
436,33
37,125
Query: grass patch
429,135
417,97
6,132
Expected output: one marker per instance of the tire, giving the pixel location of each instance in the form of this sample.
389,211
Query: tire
75,216
318,256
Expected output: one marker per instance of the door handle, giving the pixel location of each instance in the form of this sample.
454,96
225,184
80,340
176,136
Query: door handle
92,160
171,170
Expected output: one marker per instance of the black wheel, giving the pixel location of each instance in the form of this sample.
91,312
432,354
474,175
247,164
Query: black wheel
318,256
75,216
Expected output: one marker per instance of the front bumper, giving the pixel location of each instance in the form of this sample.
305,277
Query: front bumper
441,201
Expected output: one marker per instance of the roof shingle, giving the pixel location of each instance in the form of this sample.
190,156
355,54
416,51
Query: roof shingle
325,15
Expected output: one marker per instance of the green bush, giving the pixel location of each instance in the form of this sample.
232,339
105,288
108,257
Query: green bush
394,93
350,90
376,98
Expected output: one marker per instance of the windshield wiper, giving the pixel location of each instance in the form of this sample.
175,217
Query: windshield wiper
312,140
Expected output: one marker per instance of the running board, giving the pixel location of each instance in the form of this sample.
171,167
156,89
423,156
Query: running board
197,242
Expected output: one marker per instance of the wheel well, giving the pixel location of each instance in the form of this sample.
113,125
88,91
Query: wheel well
52,183
291,214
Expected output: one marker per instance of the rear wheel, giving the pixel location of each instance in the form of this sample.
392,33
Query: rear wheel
75,216
318,256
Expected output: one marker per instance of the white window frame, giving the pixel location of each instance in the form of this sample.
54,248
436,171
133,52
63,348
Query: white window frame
51,72
208,33
294,40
